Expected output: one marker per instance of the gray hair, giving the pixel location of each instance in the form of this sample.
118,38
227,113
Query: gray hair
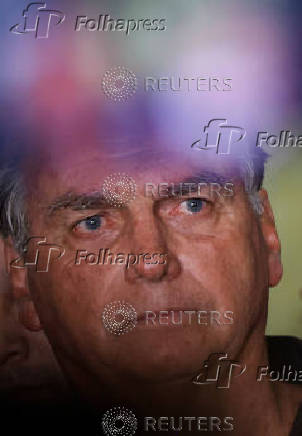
13,216
13,219
251,184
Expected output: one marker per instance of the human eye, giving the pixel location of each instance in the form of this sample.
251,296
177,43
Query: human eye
188,207
90,224
193,205
190,215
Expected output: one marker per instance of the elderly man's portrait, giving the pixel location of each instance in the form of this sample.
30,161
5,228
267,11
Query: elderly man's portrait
150,216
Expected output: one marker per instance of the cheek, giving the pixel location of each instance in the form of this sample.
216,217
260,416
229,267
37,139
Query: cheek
70,298
226,269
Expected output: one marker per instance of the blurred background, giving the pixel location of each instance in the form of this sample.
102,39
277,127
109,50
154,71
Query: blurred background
284,183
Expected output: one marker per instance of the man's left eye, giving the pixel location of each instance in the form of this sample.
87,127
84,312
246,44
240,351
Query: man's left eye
91,223
194,205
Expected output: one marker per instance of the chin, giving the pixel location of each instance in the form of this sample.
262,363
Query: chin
163,356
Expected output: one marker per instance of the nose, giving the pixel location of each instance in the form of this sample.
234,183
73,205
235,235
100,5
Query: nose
154,261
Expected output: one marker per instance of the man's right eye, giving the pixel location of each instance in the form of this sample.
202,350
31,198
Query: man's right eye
89,225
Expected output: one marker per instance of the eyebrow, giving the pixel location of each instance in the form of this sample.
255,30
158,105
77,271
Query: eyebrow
95,200
208,177
73,201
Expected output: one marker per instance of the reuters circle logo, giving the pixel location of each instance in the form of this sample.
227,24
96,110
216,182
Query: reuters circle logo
119,421
119,317
119,83
119,189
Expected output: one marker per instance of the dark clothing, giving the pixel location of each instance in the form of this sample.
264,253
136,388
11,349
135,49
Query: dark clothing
287,350
297,427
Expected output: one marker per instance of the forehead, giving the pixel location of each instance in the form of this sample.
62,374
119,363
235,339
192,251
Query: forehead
84,168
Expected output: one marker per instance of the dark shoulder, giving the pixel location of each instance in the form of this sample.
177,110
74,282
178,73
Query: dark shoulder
284,351
297,427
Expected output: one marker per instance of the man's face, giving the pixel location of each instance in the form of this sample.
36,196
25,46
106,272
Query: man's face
216,260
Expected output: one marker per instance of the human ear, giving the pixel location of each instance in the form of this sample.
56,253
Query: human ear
17,272
271,239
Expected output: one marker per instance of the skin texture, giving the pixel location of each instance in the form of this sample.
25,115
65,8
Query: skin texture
223,258
28,369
